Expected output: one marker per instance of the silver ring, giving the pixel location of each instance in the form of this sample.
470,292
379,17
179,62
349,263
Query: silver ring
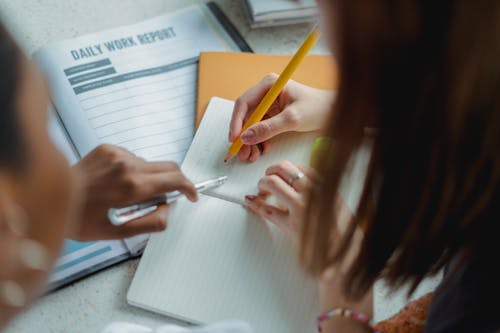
294,177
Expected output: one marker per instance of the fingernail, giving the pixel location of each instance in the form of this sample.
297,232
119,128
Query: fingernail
248,136
250,197
250,203
229,136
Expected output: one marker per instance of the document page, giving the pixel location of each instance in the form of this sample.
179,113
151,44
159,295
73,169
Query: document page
133,86
206,157
217,261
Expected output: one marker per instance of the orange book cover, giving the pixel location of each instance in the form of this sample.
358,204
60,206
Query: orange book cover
230,74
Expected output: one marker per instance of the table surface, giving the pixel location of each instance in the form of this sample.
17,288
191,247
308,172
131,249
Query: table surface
88,305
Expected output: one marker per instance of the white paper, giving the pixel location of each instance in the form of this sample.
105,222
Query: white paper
60,138
206,155
218,261
206,159
133,92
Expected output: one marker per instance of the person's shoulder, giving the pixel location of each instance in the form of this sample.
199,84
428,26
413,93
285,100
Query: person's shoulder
466,299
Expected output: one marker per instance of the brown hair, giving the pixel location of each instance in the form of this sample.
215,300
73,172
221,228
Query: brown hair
426,74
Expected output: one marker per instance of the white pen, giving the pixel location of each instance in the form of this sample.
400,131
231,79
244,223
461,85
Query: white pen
119,216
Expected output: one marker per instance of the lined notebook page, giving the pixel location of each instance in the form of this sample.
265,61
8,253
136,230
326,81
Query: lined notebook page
215,262
205,158
218,261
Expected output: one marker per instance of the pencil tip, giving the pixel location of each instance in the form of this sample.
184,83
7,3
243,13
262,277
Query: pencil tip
228,157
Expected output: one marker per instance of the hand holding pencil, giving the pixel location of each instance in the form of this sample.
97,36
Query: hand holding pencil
268,100
299,108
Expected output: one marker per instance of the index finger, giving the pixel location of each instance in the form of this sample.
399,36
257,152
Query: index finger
248,101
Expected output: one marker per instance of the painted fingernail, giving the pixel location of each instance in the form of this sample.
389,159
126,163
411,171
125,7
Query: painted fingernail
250,197
248,136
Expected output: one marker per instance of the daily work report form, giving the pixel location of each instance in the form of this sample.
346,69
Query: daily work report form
133,87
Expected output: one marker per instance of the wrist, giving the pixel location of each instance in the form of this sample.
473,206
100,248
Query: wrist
327,98
315,109
343,324
344,320
331,294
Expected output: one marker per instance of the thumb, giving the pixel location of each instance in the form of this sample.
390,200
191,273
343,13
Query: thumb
268,128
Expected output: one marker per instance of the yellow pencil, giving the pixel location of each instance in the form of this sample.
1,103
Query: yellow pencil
275,90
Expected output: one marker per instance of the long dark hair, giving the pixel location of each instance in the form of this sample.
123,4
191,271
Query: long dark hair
10,134
426,75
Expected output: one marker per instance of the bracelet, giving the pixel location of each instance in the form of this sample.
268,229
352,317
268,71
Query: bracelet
353,314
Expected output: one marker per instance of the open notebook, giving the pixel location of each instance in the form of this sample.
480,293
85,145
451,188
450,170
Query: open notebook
218,261
135,87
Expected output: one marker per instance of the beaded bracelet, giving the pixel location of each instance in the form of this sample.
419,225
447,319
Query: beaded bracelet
353,314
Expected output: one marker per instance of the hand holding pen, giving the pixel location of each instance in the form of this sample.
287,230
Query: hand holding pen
119,216
114,177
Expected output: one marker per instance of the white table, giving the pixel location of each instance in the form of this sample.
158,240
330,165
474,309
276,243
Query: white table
87,305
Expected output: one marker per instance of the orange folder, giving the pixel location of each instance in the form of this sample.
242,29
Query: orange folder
228,74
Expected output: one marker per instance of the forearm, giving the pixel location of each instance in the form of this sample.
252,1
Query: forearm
332,297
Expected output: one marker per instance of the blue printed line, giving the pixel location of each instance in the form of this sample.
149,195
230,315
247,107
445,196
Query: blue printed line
92,75
71,246
83,258
134,75
87,66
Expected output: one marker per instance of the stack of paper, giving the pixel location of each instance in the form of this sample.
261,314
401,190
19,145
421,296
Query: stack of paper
265,13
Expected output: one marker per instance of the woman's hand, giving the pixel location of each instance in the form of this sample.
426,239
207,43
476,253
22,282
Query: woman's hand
298,108
114,177
282,181
289,185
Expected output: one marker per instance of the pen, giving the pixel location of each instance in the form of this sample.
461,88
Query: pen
119,216
275,90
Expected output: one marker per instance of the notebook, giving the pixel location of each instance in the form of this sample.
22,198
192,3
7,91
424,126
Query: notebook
265,13
134,87
217,261
229,74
